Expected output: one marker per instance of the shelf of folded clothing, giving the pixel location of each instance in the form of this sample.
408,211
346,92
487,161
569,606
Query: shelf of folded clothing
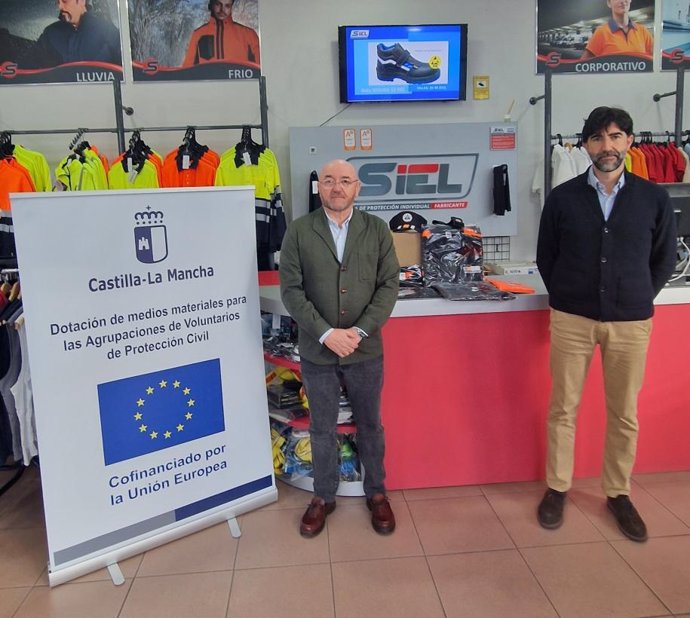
281,361
303,423
345,488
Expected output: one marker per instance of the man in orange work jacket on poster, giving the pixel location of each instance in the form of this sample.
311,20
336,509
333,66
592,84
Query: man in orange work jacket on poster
222,39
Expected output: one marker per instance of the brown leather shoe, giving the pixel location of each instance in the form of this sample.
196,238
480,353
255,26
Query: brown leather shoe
382,518
628,519
314,519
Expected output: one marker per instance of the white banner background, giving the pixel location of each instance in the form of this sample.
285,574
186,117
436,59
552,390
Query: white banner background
69,246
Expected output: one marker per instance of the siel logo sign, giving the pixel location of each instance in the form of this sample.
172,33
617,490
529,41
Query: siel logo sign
428,177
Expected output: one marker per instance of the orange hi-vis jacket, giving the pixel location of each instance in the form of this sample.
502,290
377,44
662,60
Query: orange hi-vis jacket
222,40
14,178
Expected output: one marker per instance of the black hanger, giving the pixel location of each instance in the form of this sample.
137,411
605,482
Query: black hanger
247,145
579,140
76,138
560,139
138,152
6,145
190,148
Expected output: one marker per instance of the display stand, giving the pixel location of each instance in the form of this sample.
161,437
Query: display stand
171,430
345,488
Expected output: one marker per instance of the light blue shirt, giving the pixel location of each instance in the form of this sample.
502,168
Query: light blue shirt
606,200
339,233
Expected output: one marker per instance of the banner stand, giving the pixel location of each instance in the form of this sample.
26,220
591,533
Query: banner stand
143,334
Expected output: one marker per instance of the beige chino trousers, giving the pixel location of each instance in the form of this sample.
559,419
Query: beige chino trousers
623,348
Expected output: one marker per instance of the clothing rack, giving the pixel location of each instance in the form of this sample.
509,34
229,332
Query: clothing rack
549,137
120,109
120,129
666,134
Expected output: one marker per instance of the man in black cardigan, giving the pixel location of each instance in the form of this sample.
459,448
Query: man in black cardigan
606,247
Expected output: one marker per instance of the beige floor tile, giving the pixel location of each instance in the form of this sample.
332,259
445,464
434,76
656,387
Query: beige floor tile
22,505
11,599
280,592
85,600
591,580
129,568
211,549
664,564
661,477
351,536
271,538
289,497
202,595
23,556
660,521
518,512
492,583
436,493
502,488
675,497
457,525
399,587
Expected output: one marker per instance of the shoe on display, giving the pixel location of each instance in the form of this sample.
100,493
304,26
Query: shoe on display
550,511
382,518
314,519
628,519
395,62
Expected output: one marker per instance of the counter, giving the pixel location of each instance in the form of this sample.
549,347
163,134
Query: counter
467,384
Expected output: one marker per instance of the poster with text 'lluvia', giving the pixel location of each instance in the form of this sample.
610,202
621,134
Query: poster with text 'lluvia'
144,340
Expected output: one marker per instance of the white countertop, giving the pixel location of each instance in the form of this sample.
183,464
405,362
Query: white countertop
671,295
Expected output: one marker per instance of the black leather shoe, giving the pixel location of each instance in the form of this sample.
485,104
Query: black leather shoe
628,519
314,519
382,518
550,511
395,62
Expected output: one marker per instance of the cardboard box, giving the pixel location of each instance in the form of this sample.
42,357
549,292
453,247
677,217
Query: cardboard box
514,268
408,247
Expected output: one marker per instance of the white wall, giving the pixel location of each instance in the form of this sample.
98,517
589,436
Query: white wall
299,60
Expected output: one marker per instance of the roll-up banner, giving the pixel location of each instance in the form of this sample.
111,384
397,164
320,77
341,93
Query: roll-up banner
144,343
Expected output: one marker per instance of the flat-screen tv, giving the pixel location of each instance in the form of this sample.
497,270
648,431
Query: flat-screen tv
403,63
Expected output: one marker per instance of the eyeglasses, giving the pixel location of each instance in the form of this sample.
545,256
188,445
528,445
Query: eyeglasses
345,183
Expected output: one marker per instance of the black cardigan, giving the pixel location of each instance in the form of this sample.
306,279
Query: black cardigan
606,270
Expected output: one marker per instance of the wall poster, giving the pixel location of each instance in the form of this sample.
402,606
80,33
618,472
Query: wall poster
194,39
43,41
595,36
675,38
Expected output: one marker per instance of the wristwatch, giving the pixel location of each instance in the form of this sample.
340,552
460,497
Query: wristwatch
360,332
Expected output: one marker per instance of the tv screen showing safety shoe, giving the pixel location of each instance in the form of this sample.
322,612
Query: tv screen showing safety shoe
403,63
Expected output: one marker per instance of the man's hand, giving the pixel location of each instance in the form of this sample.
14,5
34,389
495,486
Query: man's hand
343,341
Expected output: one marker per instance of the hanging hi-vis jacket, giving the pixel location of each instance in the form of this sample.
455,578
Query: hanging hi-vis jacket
264,176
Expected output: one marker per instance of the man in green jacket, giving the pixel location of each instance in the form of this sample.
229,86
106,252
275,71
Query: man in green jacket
339,282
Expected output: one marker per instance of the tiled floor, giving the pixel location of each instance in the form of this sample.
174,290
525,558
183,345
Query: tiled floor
458,551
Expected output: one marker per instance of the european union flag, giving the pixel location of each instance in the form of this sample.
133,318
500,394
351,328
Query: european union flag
153,411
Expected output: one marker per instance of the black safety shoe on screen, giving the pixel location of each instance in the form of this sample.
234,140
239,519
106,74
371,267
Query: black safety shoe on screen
395,62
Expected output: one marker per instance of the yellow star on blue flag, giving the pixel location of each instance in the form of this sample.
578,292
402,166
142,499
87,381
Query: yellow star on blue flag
136,412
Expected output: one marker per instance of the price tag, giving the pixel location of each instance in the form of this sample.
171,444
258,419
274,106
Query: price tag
185,162
246,158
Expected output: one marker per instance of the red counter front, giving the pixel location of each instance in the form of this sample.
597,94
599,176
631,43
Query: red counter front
465,399
467,385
